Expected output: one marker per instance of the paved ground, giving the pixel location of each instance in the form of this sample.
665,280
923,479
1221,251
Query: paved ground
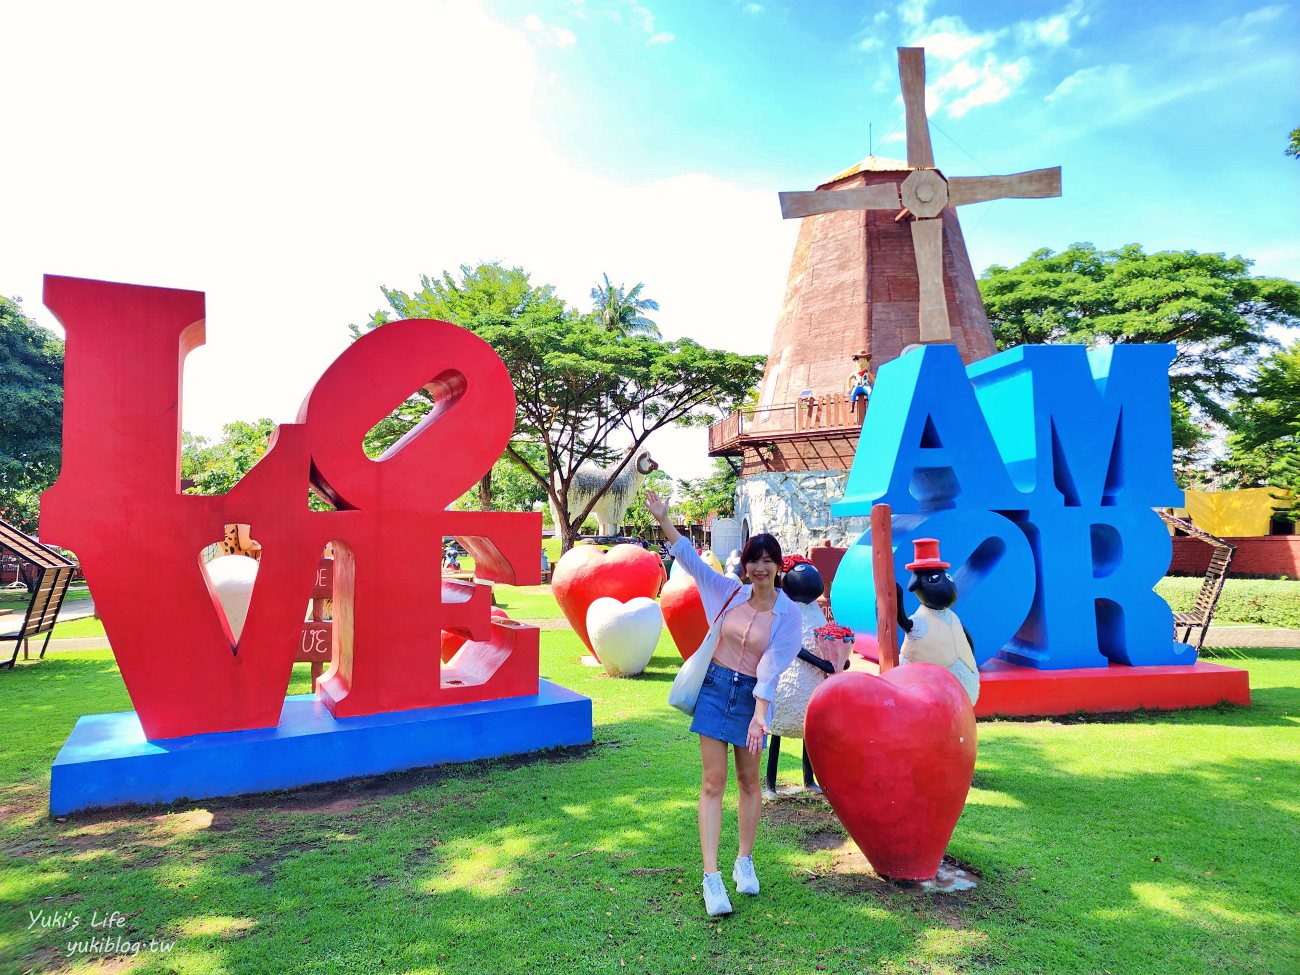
76,608
1251,636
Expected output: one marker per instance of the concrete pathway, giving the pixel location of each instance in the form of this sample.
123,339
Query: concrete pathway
75,608
1251,636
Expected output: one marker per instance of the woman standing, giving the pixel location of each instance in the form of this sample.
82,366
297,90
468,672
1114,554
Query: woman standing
760,633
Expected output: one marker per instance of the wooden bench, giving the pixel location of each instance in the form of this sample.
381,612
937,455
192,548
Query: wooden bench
47,598
42,613
1198,621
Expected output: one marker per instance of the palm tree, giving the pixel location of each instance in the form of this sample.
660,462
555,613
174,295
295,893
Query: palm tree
621,311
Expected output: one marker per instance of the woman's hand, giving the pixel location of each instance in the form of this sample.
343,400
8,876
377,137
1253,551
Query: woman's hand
754,738
657,506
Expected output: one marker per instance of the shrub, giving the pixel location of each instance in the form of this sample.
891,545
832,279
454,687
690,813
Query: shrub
1266,602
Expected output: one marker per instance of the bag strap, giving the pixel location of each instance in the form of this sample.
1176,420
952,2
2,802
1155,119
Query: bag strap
734,593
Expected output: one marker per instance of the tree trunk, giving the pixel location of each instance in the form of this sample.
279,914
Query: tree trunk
568,534
485,492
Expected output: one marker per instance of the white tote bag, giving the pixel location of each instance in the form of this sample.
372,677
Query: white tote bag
686,685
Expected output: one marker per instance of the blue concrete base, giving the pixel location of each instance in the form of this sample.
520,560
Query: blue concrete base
107,761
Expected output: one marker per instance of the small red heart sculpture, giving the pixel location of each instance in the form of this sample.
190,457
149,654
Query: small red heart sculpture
684,613
451,642
895,755
585,573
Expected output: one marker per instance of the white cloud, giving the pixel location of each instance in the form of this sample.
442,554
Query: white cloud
869,44
1099,82
912,12
558,36
952,44
642,16
994,81
754,9
1054,30
1263,15
970,69
1111,94
663,37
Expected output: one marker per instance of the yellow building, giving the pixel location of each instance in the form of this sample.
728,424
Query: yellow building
1231,514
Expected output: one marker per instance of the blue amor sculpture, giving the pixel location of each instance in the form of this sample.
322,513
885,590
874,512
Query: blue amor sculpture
1038,469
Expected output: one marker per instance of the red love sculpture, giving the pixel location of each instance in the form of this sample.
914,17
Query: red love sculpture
684,613
895,755
184,670
453,640
585,573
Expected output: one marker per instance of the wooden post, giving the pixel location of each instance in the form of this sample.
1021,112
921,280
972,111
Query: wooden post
882,568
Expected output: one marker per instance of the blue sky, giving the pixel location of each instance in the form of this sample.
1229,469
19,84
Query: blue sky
289,160
1167,117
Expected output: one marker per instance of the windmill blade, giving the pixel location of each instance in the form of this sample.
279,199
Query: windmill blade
878,196
1035,184
911,72
927,241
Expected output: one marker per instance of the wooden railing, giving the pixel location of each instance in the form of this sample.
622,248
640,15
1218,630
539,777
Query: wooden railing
830,411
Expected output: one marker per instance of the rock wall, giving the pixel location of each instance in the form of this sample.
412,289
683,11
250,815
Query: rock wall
796,508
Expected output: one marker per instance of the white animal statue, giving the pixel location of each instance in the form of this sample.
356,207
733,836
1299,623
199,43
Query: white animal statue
613,504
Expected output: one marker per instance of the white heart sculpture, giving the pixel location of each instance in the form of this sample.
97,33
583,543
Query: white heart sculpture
232,578
624,634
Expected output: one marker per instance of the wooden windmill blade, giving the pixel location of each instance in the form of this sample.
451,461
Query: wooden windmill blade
1034,184
911,73
879,196
927,241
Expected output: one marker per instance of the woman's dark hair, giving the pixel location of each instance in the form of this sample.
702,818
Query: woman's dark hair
760,545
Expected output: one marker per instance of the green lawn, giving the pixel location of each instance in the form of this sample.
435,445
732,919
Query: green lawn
82,628
1157,844
528,602
1265,602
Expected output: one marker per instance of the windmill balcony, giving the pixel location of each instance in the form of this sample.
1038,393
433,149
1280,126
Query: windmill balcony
812,417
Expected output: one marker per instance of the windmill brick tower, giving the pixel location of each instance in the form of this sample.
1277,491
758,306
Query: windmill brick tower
880,264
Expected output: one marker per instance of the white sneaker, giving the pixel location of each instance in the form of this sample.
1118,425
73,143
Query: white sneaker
716,900
744,876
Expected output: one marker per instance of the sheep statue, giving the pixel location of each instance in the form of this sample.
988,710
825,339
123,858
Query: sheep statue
613,504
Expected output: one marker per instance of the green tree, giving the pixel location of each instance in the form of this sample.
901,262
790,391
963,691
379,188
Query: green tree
31,414
1264,437
714,494
513,488
1208,306
623,312
576,384
1293,150
484,293
215,468
638,519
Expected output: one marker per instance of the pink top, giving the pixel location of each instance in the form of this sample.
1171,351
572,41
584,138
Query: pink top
743,637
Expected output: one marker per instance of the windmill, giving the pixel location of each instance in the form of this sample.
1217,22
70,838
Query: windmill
923,196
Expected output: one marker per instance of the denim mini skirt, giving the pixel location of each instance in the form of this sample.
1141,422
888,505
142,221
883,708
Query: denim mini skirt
725,705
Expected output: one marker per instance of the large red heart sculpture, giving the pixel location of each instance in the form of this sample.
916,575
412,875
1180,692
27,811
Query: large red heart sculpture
585,573
684,613
895,755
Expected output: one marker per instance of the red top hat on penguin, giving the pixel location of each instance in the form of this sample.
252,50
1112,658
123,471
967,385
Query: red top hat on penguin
925,555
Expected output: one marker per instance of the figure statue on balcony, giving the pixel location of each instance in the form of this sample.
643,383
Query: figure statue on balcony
859,384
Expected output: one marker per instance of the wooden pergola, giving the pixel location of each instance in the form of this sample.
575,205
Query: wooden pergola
55,573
